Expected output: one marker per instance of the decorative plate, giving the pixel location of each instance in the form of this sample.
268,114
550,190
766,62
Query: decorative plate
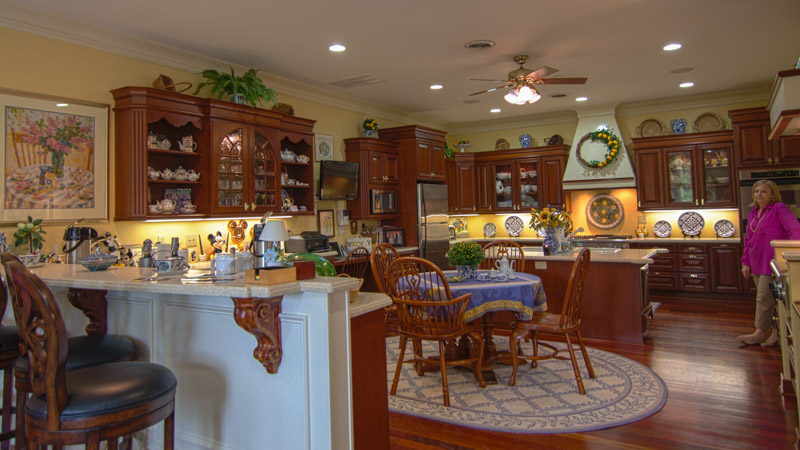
541,232
514,226
650,127
691,223
489,230
724,228
502,144
662,228
708,122
604,211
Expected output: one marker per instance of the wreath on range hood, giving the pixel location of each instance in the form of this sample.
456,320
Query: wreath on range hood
606,137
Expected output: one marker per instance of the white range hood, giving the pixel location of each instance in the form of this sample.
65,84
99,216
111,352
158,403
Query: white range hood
618,174
784,104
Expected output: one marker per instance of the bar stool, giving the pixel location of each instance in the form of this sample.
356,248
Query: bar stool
83,351
9,352
83,406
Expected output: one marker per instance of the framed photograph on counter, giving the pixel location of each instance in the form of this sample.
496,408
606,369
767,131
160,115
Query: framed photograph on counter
326,223
394,236
55,160
324,147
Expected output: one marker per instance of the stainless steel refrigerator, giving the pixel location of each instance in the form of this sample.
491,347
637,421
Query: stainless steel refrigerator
432,223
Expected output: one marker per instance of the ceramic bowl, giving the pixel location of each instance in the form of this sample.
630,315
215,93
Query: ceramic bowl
98,262
29,260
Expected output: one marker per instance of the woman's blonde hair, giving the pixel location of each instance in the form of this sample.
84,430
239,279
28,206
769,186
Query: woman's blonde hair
775,196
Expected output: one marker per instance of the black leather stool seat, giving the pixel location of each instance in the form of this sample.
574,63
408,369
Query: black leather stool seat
109,388
91,350
9,338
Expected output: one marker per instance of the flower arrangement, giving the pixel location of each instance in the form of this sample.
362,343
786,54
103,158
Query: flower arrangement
370,124
460,143
550,218
30,234
465,254
58,134
606,137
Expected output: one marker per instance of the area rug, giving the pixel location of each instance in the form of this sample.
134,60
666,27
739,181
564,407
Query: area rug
544,400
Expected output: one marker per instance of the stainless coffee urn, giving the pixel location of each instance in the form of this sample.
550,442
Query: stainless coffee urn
77,242
259,248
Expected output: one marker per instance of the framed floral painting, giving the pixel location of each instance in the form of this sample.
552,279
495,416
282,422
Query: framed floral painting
326,225
55,159
324,146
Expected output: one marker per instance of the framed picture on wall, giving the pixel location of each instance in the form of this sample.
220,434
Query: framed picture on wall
324,147
326,223
55,157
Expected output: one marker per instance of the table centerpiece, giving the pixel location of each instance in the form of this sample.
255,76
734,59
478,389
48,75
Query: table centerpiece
556,223
466,257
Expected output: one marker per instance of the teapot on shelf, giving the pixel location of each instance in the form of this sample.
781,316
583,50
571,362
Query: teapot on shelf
167,174
187,144
180,173
191,175
288,155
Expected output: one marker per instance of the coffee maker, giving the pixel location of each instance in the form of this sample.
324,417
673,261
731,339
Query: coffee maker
258,247
267,235
77,242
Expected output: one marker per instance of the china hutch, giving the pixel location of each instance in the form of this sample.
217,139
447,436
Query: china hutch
249,160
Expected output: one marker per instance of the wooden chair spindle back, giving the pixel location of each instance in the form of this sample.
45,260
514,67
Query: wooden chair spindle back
382,255
495,250
355,265
571,310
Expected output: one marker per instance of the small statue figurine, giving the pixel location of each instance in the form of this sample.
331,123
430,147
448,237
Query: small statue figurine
237,230
216,242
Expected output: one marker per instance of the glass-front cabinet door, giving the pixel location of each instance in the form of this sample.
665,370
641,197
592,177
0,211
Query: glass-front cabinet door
717,175
264,172
680,180
229,168
503,186
528,174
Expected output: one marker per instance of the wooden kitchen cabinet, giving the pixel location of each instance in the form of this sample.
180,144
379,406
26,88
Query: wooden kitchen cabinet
696,267
421,150
484,182
378,168
302,190
237,154
686,171
725,267
753,149
461,184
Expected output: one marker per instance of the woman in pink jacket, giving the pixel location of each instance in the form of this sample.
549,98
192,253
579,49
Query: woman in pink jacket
770,221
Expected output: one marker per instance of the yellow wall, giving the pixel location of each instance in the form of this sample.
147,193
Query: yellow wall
37,64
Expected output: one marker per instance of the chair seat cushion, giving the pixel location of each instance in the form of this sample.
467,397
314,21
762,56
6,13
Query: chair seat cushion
109,388
9,339
91,350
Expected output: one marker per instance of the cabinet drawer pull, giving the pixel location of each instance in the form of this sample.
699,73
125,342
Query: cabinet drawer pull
693,276
702,201
245,206
692,256
696,203
639,203
770,159
691,248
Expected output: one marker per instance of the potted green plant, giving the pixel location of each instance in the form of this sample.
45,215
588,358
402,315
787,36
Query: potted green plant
245,89
466,257
30,234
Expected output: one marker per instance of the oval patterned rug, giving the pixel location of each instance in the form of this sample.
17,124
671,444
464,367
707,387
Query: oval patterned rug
544,400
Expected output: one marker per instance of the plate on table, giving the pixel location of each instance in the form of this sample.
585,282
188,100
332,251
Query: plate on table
514,226
691,223
604,211
489,230
724,228
662,228
708,122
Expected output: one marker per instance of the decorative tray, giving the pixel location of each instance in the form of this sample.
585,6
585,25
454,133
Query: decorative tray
604,211
502,144
650,127
724,228
662,229
708,122
489,230
514,226
691,223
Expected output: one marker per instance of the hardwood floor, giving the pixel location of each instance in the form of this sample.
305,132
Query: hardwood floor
721,394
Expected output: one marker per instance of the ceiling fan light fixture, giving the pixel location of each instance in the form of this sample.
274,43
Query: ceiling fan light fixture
522,95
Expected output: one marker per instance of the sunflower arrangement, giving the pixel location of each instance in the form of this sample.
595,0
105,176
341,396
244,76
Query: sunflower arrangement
465,254
606,137
550,218
370,124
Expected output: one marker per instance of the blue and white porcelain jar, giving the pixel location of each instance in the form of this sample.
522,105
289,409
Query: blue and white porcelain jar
678,126
525,140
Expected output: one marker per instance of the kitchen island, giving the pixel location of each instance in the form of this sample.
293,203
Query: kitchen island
615,302
227,396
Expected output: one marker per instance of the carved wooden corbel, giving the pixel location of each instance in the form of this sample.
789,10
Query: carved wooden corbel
259,317
94,306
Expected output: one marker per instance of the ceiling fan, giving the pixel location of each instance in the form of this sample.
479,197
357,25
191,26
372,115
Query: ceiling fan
522,82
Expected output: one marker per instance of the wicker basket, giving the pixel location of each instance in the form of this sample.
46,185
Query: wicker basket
284,108
355,290
165,83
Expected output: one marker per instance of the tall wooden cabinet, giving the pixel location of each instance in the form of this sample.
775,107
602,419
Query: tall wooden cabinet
378,168
686,171
461,185
237,155
753,149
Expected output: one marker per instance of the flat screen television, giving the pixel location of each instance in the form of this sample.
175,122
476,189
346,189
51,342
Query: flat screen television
338,180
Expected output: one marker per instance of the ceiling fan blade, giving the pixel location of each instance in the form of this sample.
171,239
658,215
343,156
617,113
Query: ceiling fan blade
490,90
562,81
541,72
486,79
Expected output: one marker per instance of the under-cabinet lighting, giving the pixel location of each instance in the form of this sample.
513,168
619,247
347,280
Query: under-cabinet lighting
675,211
211,219
521,215
465,215
61,105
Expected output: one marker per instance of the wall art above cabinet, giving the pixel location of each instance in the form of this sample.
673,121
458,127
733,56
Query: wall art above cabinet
233,153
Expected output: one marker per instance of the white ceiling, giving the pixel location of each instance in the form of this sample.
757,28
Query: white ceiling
730,44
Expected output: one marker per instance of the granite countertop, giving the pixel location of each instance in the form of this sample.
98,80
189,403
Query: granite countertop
367,302
789,244
623,255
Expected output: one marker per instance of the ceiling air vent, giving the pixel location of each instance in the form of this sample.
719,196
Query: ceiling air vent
480,44
361,80
558,95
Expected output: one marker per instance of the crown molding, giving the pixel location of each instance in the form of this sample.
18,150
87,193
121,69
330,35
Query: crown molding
532,120
54,27
760,94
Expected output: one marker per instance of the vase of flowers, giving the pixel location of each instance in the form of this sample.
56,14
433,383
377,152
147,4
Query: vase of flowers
461,145
465,257
553,221
58,134
370,128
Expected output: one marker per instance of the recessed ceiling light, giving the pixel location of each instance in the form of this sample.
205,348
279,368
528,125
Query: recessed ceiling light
672,47
436,86
495,110
581,99
337,48
62,104
687,84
